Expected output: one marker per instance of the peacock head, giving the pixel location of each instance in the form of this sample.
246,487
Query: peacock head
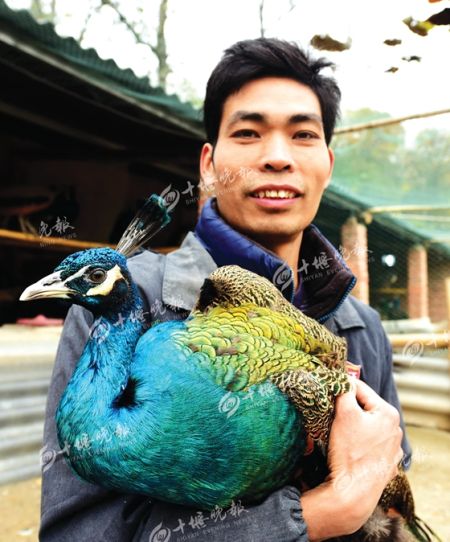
98,278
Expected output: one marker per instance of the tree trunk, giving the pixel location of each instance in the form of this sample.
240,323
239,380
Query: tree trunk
261,19
161,47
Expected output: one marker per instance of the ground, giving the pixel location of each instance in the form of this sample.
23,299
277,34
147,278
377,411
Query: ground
429,477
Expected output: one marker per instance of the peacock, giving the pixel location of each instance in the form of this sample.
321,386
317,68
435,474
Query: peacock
228,404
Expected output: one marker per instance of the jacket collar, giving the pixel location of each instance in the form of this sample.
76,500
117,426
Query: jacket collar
229,247
184,273
325,280
323,296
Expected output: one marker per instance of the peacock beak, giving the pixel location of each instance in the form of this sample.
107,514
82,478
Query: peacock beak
49,286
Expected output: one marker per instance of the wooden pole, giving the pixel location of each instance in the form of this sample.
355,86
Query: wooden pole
447,288
60,244
387,122
430,340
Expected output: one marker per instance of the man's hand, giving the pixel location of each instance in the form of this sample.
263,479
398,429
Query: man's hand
363,456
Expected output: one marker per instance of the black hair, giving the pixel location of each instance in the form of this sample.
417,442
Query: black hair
248,60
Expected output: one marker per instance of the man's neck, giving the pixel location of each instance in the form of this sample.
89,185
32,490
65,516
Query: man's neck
288,251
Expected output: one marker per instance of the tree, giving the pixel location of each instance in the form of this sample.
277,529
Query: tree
261,12
369,162
43,13
159,49
427,165
47,11
376,166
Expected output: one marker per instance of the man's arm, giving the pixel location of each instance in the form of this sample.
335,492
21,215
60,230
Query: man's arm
363,455
369,345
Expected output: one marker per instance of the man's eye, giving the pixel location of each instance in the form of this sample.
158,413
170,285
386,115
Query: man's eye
305,135
245,134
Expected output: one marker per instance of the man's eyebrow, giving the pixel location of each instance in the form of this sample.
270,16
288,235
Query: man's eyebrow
254,116
305,117
246,115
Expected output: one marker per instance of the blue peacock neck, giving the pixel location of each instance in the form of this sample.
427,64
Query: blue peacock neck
102,372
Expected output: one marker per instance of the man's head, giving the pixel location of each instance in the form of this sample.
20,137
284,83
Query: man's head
269,116
248,60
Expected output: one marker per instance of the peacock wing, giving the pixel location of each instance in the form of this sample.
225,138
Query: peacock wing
249,344
313,393
232,286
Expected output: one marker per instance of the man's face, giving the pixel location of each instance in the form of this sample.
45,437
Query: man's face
271,163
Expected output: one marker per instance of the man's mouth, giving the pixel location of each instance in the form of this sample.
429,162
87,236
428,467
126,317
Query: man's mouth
275,194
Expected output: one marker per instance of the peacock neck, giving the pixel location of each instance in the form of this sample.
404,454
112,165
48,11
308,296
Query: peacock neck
105,361
97,409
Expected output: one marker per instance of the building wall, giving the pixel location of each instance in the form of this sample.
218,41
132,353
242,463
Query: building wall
107,195
438,270
101,189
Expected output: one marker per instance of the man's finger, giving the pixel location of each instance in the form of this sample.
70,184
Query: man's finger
347,400
366,397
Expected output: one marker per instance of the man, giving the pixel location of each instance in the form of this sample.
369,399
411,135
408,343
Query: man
269,117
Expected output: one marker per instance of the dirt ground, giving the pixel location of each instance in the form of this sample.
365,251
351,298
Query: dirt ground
429,477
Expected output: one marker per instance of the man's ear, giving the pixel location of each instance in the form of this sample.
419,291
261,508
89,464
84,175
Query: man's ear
330,174
207,171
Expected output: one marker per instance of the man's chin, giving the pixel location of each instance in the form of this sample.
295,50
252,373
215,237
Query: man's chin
274,233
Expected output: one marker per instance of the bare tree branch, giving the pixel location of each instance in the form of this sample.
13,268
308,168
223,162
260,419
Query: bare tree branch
86,22
161,48
129,26
261,19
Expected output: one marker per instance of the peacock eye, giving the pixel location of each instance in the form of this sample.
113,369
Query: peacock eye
97,275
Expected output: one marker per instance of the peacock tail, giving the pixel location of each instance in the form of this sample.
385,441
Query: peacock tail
398,498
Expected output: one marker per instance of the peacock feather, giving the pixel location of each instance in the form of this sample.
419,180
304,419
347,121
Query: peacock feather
221,406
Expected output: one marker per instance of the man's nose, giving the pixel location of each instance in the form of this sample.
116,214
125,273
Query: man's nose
277,156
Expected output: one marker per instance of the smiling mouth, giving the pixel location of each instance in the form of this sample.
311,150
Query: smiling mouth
274,194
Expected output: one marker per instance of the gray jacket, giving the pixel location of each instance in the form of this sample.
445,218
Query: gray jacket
74,510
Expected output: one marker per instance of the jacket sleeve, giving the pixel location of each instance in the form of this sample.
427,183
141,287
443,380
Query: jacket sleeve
73,510
277,518
369,346
388,391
